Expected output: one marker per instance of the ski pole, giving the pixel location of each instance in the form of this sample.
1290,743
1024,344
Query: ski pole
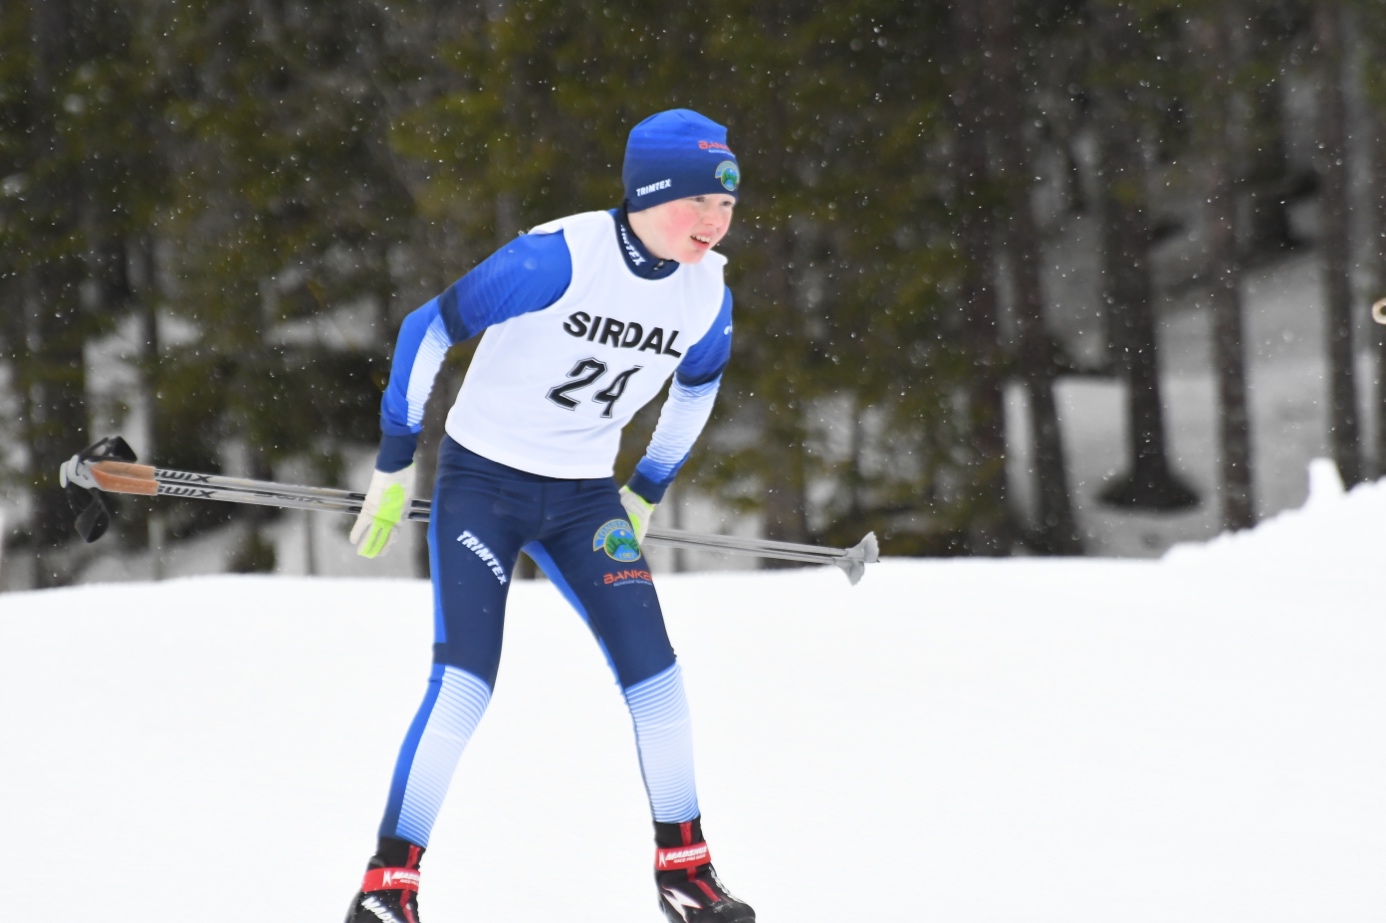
111,466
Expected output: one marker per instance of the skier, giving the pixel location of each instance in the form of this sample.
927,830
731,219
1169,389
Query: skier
585,319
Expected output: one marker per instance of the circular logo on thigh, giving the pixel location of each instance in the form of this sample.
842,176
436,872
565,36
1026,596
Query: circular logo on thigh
617,539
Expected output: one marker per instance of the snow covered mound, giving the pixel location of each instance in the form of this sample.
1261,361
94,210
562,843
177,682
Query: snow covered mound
1334,529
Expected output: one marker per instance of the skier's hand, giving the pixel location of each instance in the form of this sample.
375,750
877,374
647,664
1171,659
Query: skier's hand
386,505
639,510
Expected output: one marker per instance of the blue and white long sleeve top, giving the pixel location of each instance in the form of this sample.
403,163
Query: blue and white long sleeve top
581,327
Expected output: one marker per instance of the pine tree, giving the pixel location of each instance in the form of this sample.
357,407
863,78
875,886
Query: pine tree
289,200
51,321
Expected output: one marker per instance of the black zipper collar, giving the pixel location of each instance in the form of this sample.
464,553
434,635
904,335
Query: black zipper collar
638,259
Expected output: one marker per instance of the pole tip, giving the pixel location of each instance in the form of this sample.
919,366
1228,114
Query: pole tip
854,562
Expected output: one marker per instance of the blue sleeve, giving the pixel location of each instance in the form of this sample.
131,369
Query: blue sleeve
706,358
528,274
687,408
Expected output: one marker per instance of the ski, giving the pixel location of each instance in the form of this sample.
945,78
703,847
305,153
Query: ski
111,466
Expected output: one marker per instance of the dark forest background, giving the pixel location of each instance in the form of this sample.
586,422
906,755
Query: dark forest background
253,194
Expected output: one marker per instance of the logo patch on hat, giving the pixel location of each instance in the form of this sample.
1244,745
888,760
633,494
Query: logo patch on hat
728,175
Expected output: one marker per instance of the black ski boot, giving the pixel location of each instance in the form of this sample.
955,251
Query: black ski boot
689,889
389,893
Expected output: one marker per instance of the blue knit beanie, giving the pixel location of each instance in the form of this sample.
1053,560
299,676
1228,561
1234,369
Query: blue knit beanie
676,154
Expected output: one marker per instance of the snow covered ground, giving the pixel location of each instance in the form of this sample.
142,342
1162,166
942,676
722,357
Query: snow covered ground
1194,738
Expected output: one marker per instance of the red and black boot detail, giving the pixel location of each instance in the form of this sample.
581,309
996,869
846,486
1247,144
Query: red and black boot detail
390,891
689,889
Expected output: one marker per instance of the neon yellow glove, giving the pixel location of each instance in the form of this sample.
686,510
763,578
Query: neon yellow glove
639,510
386,505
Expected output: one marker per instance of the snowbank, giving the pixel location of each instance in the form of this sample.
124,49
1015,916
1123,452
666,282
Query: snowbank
1334,529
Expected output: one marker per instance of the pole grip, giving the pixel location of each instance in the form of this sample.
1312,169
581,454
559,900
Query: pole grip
124,478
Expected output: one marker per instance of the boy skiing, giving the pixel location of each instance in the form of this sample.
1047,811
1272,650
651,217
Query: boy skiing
585,319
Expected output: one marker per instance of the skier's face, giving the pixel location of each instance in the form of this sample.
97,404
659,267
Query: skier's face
684,229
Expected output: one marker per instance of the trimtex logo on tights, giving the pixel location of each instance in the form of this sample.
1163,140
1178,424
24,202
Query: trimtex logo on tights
478,547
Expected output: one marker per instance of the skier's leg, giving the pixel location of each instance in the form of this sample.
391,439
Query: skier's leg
475,534
482,514
609,584
611,588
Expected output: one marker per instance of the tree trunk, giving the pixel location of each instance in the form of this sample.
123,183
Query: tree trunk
786,488
1234,419
149,388
1344,427
1128,290
431,436
989,527
786,513
57,371
1270,175
1378,257
1057,530
1268,180
13,328
673,501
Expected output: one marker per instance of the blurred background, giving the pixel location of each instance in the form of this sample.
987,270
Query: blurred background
1011,276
